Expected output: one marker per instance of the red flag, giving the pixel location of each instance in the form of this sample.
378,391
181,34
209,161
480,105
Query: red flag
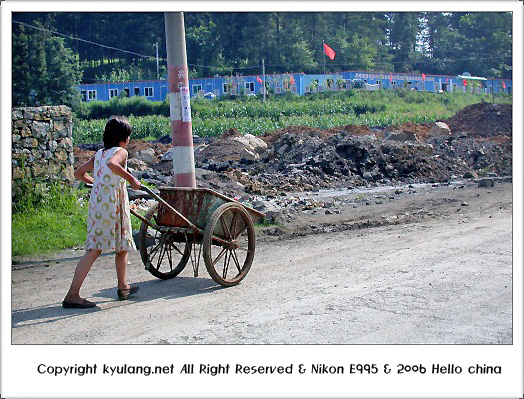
391,78
292,80
259,80
423,76
464,82
503,84
329,51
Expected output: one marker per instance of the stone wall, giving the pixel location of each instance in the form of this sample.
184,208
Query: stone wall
42,145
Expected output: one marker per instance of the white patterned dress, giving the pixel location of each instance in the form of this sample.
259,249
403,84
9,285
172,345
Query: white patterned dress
108,220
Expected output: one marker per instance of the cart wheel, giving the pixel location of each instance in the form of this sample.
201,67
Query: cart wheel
229,261
162,256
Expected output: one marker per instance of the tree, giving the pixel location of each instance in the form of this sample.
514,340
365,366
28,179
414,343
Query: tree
403,38
21,69
45,71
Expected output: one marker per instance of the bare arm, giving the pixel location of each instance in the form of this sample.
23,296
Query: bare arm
81,171
115,164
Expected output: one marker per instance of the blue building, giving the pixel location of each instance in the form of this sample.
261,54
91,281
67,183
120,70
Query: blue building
299,83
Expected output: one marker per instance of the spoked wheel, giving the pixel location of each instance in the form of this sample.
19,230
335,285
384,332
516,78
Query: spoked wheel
229,244
162,256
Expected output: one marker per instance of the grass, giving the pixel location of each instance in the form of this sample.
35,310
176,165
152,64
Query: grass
46,220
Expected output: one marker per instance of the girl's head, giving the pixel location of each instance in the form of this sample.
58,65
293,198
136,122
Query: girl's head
117,130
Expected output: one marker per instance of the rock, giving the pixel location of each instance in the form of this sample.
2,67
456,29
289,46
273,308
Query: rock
168,156
464,204
137,194
440,129
247,154
400,136
368,176
61,155
486,183
271,210
137,164
251,142
147,155
470,175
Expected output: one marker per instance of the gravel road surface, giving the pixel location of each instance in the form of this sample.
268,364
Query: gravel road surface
441,275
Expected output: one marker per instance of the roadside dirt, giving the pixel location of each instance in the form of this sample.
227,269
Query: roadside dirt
431,264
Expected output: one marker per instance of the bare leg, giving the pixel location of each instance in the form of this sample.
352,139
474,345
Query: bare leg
121,266
82,268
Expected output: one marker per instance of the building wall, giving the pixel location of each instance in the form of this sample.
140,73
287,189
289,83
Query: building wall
42,145
156,90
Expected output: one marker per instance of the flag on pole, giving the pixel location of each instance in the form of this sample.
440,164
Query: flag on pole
423,76
259,80
504,84
329,51
391,77
464,82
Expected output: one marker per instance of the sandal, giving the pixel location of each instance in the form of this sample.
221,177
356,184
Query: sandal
123,294
83,305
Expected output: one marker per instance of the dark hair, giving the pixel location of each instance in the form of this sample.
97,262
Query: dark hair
117,129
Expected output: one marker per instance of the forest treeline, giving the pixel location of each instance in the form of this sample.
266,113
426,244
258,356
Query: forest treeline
121,46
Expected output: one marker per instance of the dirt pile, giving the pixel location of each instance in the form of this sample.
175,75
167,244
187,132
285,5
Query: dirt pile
300,158
482,120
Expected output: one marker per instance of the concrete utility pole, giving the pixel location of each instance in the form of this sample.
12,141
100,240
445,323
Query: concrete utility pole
179,105
263,80
157,68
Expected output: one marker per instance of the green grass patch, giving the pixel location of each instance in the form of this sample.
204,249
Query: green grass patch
47,219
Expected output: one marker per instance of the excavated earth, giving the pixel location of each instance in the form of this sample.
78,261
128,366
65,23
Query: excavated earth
299,158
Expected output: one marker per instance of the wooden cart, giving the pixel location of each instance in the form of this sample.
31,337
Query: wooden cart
194,223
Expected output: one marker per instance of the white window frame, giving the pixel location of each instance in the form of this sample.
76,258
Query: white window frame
250,87
113,93
196,88
91,95
149,90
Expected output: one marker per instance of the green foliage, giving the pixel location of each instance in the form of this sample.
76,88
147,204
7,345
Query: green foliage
236,42
127,106
320,110
45,70
47,218
150,126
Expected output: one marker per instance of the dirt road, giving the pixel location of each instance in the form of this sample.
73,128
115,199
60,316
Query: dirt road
431,267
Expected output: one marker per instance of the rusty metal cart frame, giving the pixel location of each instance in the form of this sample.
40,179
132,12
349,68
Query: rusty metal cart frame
194,223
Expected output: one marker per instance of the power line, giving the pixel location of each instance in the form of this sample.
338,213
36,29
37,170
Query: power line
83,40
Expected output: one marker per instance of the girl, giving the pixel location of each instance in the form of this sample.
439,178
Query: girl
108,222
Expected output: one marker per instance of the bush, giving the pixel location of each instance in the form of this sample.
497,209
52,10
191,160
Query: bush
127,106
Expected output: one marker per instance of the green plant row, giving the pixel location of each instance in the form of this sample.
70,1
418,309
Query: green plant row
156,127
380,108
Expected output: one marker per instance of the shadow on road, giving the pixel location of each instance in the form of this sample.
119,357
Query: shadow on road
179,287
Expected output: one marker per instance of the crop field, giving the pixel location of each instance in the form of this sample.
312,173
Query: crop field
251,115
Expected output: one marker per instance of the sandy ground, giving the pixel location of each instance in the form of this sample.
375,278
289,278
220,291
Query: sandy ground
431,266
